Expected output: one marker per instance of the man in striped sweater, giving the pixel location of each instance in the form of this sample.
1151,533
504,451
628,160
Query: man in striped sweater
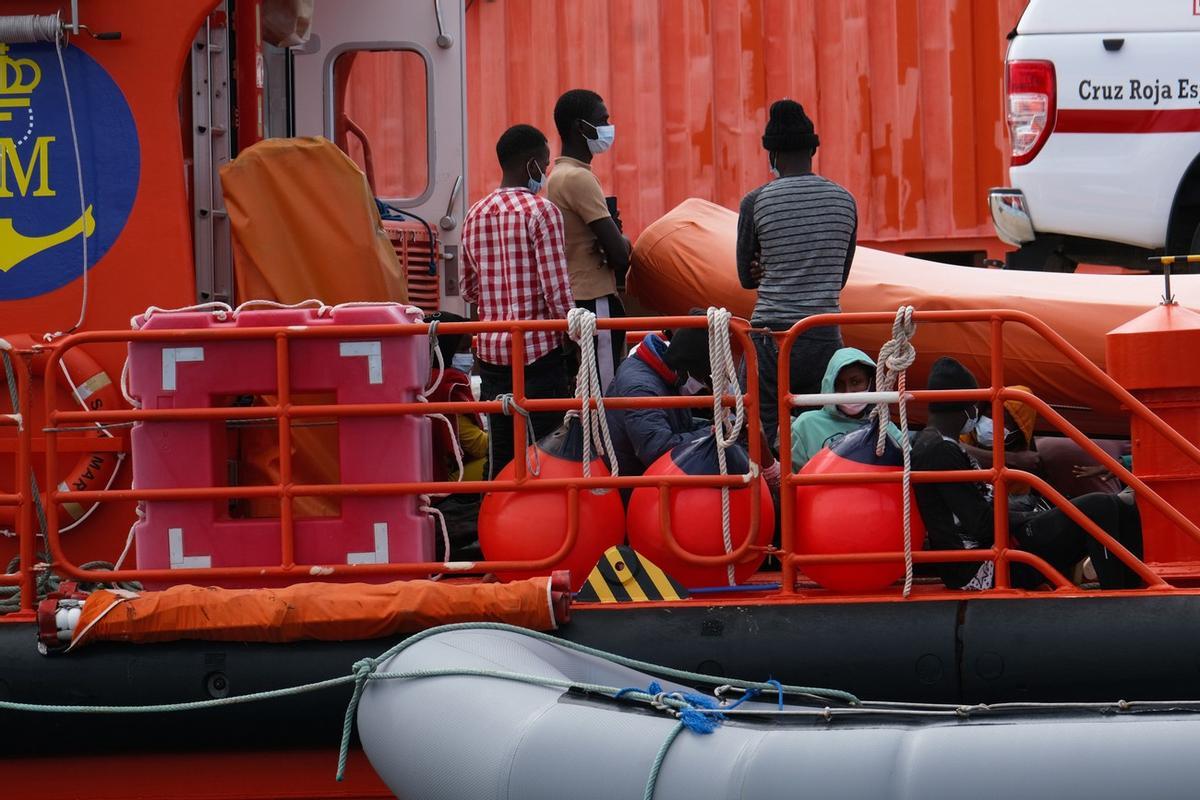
795,245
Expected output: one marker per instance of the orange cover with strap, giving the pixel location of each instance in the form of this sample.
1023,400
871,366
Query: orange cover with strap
310,611
305,226
687,259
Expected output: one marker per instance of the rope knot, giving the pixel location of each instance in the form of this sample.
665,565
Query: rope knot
508,407
362,670
895,357
581,327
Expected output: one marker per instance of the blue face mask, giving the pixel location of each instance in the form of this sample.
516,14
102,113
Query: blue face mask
605,135
463,362
985,433
972,421
535,184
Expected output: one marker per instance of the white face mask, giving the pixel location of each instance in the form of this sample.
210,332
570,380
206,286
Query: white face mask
605,134
972,421
774,169
535,184
463,362
852,409
693,387
985,432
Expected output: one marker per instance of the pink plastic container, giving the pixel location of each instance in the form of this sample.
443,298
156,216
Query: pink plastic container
171,455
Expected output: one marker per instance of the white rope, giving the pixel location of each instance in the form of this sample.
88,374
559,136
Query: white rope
895,357
435,354
430,509
412,310
82,403
312,302
427,506
222,311
581,327
58,37
124,382
140,510
726,431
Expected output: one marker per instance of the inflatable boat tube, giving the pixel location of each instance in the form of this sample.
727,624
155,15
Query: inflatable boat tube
486,737
686,259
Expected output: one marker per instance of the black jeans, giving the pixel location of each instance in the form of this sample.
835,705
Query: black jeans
545,378
1056,538
810,356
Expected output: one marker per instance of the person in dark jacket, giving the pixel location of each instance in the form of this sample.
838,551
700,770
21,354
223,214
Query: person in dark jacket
657,368
959,516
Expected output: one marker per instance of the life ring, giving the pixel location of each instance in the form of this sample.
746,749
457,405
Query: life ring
81,377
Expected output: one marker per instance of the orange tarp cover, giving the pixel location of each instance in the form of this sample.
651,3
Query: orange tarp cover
305,226
687,259
309,611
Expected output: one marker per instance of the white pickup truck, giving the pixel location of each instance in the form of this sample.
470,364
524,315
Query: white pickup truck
1102,99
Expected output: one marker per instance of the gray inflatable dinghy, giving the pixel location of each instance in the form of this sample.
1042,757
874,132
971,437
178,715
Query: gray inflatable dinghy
460,737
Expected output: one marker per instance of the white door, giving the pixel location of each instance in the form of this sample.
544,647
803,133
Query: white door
385,80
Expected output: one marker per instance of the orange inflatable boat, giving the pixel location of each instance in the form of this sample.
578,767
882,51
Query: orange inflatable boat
686,259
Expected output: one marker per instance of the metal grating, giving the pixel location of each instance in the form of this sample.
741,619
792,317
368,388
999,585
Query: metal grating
417,255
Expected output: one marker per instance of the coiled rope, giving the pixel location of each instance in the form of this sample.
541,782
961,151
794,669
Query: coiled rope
581,327
30,28
895,357
726,430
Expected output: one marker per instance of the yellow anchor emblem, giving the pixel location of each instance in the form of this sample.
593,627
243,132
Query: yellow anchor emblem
15,247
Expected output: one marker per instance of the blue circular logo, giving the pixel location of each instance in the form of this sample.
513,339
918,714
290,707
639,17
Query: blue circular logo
42,228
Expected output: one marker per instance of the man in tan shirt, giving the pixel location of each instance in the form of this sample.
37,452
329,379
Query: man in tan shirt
597,252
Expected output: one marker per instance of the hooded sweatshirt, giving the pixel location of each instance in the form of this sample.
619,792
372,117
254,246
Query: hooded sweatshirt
822,427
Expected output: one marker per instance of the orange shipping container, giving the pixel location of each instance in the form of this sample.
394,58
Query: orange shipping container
906,96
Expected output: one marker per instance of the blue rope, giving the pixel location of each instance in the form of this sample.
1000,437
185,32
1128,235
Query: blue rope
779,688
750,693
699,713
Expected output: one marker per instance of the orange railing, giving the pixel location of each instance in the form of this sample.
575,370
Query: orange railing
13,368
998,474
284,411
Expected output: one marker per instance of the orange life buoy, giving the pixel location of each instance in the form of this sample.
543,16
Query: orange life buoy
84,379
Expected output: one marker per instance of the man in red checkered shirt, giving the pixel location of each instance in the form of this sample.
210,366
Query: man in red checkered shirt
516,269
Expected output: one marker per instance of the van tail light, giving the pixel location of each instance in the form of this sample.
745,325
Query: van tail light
1031,106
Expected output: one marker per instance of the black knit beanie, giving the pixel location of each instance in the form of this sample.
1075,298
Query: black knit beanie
789,128
950,374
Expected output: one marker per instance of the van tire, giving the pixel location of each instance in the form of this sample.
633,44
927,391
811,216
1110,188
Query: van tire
1058,262
1194,250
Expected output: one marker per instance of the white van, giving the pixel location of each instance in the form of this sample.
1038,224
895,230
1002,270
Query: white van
1103,108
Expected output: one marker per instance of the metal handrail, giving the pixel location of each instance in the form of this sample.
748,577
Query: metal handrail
999,475
283,412
22,498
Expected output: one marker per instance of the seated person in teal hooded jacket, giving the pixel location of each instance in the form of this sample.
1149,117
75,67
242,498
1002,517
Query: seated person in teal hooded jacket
849,370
